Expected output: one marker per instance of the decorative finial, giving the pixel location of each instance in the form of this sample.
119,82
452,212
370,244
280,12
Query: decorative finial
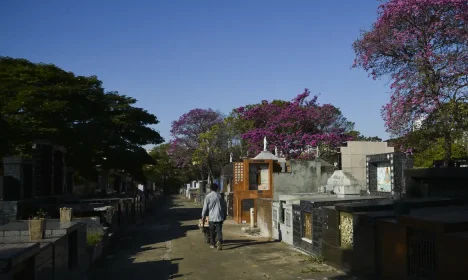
264,144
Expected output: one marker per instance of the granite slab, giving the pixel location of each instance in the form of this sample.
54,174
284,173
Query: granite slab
377,205
13,254
335,198
411,203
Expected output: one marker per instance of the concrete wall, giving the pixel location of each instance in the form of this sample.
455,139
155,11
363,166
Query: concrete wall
353,157
305,177
264,216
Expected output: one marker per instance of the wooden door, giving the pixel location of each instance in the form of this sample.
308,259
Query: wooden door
246,204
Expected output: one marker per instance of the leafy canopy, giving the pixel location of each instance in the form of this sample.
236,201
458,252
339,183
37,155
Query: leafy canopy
423,46
42,101
189,143
294,126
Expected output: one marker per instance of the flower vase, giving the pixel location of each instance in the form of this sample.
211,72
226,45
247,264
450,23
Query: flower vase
37,229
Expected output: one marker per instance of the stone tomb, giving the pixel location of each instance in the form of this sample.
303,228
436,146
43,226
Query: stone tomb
308,220
17,261
283,220
427,243
385,174
343,184
17,179
437,182
350,235
49,173
63,248
282,214
252,180
353,157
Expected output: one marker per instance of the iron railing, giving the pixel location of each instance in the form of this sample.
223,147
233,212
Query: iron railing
422,255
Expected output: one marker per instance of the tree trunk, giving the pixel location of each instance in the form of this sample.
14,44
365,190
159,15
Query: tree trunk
447,148
201,174
210,171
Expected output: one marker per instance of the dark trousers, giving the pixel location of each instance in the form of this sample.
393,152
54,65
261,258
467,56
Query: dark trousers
216,230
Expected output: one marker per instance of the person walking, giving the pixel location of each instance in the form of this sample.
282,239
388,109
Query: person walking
215,208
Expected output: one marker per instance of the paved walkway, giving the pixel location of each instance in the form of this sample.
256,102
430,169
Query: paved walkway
169,245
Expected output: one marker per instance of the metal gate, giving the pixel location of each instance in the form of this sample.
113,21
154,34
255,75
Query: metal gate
422,255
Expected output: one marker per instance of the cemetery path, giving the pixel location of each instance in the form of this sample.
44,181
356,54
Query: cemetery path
169,245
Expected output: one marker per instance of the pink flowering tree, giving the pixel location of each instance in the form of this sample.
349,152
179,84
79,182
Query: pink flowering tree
187,132
422,46
293,127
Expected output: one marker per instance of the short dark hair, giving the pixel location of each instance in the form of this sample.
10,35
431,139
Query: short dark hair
214,187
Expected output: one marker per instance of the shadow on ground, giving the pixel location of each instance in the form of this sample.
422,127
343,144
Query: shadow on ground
145,251
141,251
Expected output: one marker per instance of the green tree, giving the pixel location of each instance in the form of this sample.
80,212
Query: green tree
422,46
213,150
357,136
164,172
235,127
436,151
186,132
42,101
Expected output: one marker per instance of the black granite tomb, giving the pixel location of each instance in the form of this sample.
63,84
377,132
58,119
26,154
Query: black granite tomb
59,171
69,180
438,182
385,174
428,243
42,154
17,182
313,209
350,233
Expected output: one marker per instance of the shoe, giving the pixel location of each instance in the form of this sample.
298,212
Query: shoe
211,246
219,245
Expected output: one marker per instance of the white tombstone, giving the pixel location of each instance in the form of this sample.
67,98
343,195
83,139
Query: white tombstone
342,183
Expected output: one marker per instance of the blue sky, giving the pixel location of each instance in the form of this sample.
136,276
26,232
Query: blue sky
176,55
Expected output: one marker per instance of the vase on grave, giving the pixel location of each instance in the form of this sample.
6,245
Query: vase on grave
37,228
65,215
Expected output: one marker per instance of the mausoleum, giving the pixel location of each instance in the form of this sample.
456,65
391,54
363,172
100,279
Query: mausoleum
252,179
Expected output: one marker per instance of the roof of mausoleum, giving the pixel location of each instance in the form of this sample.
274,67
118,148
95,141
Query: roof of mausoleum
266,155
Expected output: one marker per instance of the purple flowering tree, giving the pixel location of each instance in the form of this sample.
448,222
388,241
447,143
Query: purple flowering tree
422,45
293,127
186,133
